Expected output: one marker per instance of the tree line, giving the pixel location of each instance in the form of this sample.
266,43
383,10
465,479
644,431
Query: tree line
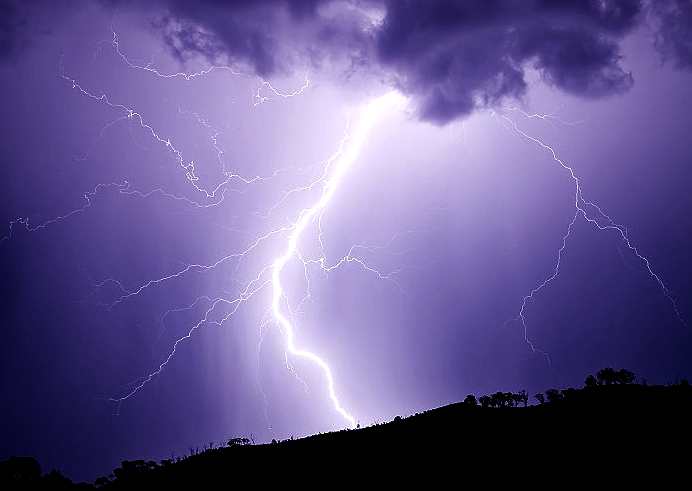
605,376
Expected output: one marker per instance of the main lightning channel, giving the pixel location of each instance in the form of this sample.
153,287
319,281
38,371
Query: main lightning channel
335,168
369,115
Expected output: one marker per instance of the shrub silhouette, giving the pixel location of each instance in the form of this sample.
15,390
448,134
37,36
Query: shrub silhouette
553,395
238,442
624,377
606,376
610,376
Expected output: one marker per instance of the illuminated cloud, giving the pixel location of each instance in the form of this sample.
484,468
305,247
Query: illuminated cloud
452,56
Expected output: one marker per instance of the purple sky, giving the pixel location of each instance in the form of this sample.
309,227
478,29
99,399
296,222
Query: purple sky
456,214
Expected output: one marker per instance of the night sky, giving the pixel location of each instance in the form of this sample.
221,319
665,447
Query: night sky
159,159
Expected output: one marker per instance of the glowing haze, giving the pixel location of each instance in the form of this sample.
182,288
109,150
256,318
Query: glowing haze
276,218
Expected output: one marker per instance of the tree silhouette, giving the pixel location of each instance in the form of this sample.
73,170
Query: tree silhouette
610,376
568,393
502,399
553,395
624,377
238,442
470,400
131,469
590,381
606,376
55,480
540,398
23,470
101,481
523,398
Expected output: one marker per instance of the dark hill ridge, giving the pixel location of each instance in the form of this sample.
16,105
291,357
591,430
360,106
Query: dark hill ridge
603,427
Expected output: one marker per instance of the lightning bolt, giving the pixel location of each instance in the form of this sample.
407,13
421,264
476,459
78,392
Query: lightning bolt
368,118
336,168
220,308
258,98
593,214
217,194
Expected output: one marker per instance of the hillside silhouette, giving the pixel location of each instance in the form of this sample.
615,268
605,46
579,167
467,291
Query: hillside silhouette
611,426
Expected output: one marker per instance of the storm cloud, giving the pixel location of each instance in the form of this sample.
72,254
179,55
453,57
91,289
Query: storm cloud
451,56
674,30
458,56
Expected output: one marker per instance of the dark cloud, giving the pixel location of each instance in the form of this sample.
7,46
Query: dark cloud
271,36
241,30
451,56
456,56
575,60
674,30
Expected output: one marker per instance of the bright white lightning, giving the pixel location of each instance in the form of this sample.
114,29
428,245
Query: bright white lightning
368,117
336,167
270,274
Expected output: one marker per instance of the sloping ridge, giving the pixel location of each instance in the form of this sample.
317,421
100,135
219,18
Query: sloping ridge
608,429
